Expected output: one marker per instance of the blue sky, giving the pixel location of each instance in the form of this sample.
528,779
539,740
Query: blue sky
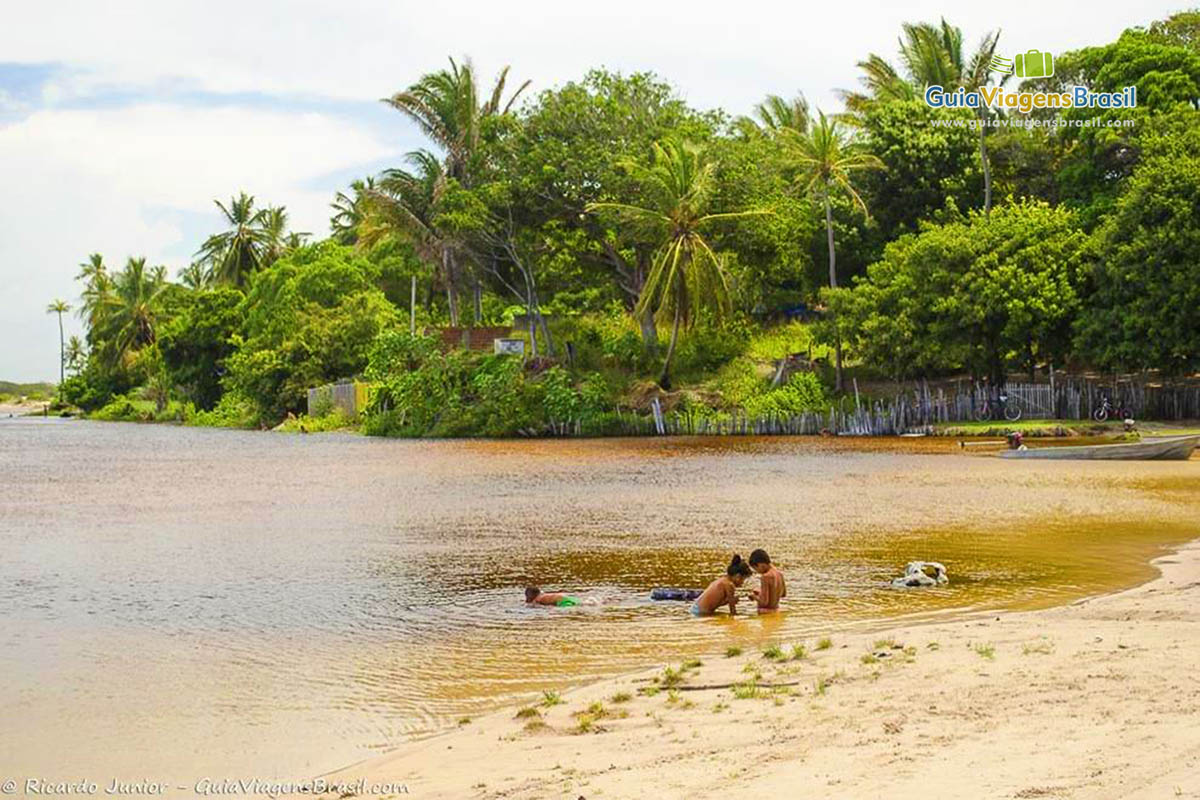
121,123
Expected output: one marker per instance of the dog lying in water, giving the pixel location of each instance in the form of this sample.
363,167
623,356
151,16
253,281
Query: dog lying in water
916,573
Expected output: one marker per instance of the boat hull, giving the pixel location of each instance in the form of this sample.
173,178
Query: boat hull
1175,448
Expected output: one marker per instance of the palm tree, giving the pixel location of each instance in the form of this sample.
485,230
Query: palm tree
775,113
76,354
97,286
279,241
196,276
60,307
132,315
350,210
403,203
931,55
883,85
294,241
90,269
236,253
686,278
826,158
446,106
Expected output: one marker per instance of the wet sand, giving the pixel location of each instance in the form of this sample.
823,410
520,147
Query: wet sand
1098,699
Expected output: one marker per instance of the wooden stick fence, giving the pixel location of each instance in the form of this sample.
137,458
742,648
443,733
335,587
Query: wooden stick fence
912,411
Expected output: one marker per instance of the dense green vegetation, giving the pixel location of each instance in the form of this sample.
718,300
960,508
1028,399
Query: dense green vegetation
647,249
13,392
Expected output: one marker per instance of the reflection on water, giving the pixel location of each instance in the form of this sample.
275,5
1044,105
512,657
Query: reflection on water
198,602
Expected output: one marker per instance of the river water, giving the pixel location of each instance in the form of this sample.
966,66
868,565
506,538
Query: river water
179,603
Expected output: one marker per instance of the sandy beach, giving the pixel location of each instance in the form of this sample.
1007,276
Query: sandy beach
1098,699
20,409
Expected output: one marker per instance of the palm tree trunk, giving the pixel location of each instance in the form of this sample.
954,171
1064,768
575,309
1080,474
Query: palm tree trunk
62,351
664,380
833,284
451,295
647,324
649,332
987,170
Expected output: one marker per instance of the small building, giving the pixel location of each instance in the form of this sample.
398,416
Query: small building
472,338
349,396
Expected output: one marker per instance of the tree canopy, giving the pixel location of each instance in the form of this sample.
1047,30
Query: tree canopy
609,213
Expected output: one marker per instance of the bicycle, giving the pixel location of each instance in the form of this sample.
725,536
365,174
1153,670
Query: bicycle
1107,409
1009,411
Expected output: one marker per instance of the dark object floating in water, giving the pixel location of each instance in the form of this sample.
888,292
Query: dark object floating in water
664,593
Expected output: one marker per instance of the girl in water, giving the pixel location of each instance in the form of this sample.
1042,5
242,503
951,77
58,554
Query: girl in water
722,591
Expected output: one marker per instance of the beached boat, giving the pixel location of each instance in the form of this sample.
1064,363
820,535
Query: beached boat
1172,448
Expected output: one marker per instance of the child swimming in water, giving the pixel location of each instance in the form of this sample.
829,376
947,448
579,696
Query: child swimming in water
771,589
722,591
536,597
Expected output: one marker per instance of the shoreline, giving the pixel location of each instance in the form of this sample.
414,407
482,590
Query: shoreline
946,434
1091,699
26,409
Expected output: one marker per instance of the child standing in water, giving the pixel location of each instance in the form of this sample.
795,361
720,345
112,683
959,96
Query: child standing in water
771,589
722,591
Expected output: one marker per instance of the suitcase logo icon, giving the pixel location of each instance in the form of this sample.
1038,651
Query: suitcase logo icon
1034,64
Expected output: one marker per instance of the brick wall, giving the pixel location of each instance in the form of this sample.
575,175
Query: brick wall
472,338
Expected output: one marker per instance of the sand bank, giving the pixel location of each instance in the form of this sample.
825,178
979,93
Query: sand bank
20,409
1098,699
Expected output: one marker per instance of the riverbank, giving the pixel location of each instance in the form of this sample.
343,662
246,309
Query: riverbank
1081,431
1063,428
1097,699
21,408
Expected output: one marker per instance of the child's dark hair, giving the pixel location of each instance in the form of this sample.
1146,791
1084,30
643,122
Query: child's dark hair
531,593
737,567
759,556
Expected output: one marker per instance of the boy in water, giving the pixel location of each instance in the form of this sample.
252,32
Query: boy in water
771,589
722,591
536,597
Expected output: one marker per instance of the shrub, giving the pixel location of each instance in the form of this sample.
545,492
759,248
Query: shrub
612,339
121,408
335,420
422,391
703,350
231,411
779,342
309,319
96,385
742,386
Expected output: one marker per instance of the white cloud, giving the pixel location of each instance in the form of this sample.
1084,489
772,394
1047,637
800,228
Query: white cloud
116,181
358,49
